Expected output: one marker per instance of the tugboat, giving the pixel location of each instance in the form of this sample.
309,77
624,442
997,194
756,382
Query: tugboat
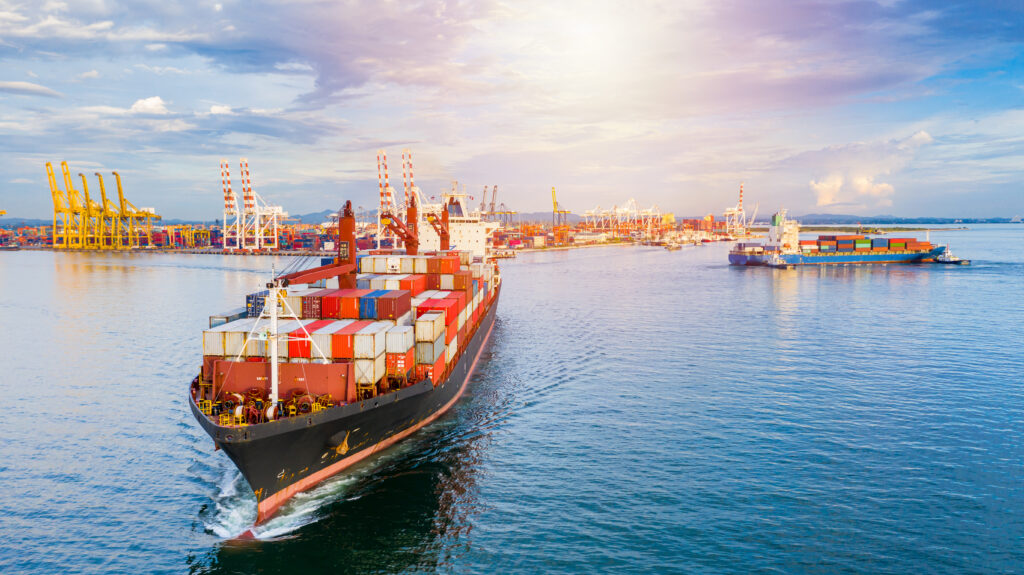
947,257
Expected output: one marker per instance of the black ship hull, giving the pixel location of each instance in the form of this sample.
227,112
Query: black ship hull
284,457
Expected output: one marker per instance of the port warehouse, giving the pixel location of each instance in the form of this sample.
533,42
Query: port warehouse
403,323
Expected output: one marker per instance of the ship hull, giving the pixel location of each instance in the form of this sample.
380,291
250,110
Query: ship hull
284,457
752,259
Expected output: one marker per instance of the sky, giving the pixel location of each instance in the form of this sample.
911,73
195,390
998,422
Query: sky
887,107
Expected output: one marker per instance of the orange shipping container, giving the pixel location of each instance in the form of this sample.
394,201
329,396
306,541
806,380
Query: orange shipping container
416,284
342,340
298,340
401,363
431,372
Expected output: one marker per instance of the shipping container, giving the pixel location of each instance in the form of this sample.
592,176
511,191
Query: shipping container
366,264
399,339
879,243
254,303
414,283
343,339
323,336
400,364
405,319
364,282
236,333
447,281
299,341
427,352
451,350
380,264
393,281
434,372
228,316
370,370
429,326
369,341
312,304
393,304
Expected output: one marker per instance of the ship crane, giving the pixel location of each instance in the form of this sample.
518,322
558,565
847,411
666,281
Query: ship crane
483,200
494,197
440,226
406,232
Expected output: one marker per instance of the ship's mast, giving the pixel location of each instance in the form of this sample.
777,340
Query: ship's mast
272,302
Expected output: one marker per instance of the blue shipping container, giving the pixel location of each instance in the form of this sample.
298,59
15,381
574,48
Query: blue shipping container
326,261
368,304
880,243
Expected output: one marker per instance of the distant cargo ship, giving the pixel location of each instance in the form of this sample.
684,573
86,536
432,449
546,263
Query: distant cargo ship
784,248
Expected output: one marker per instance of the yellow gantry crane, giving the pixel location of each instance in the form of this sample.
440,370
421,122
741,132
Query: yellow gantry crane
80,222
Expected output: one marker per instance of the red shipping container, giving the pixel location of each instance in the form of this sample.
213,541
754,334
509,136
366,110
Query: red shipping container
433,281
416,284
432,372
461,279
449,264
350,303
879,249
449,333
862,250
448,306
401,363
342,340
460,297
434,265
298,341
394,304
463,334
312,304
330,304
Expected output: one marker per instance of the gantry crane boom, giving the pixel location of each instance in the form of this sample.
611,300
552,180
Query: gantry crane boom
113,216
494,197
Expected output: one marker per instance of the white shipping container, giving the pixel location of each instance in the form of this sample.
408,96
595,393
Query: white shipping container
368,342
420,265
380,265
477,270
392,281
416,301
400,339
379,281
447,282
465,257
406,319
394,264
452,348
213,342
427,352
234,338
429,326
408,265
370,370
429,294
366,264
462,318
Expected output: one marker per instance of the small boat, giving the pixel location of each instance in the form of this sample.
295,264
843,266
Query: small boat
673,247
947,257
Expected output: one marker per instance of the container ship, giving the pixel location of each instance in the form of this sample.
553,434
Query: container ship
329,365
784,248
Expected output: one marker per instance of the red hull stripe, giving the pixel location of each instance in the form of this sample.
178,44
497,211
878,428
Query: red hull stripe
270,505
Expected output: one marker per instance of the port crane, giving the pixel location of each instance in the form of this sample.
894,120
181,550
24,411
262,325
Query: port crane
407,231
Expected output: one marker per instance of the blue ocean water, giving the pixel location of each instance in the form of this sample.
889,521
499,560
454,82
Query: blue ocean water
637,411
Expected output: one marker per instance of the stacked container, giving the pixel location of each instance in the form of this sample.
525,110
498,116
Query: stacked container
400,347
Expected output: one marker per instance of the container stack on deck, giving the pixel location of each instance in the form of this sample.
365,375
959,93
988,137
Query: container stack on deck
404,323
861,244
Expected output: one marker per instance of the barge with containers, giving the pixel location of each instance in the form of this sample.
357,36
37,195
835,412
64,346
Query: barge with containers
306,381
784,248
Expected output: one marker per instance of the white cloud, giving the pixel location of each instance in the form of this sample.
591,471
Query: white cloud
88,75
218,109
28,89
20,181
154,105
852,170
156,47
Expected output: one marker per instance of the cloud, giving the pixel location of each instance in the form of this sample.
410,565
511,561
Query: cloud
28,89
218,109
153,105
851,171
20,181
88,75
